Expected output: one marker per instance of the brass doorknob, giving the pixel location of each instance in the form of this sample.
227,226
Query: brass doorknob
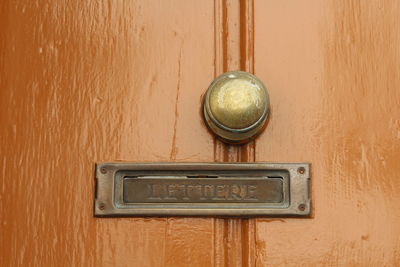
236,106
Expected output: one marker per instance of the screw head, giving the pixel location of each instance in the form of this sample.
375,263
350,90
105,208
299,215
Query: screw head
302,207
103,170
301,170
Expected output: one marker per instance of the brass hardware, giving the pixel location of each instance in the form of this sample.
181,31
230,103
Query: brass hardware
202,189
236,106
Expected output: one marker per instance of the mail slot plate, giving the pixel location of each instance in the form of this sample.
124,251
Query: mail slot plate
202,189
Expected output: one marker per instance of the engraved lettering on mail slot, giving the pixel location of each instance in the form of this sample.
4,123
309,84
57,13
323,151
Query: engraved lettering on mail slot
139,190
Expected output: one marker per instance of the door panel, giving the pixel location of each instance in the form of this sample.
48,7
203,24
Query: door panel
89,81
333,75
93,81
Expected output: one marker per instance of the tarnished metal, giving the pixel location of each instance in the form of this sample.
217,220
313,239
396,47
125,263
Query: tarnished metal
202,190
236,106
245,189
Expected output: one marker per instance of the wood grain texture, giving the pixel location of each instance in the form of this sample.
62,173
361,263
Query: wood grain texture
89,81
332,69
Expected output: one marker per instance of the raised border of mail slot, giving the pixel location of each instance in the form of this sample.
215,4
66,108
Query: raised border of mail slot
202,189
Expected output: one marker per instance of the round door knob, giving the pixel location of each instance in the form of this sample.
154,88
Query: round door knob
236,106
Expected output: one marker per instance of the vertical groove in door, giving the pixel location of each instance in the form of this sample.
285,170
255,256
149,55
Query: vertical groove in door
220,246
234,239
247,151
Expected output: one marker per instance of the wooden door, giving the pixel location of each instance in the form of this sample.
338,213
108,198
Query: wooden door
89,81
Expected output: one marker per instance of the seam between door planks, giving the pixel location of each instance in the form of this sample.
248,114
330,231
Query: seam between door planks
234,238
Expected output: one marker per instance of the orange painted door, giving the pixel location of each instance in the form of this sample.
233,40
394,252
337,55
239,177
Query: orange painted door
90,81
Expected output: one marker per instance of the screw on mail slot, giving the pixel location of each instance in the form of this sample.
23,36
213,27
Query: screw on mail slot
202,189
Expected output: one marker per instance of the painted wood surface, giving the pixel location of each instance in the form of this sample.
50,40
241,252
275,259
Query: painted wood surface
88,81
333,72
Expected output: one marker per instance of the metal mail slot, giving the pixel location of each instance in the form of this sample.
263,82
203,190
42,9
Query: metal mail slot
202,189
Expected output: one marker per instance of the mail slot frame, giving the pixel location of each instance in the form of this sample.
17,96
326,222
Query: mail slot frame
109,180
